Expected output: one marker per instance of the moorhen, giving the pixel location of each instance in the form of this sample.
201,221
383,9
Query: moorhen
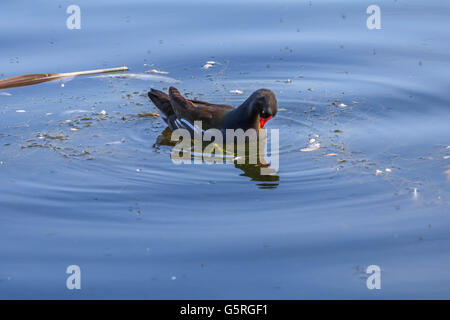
179,112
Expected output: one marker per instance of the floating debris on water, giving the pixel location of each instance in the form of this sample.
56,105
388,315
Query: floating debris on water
313,145
378,172
50,137
157,71
415,193
447,173
103,113
5,94
342,105
284,81
236,91
115,142
208,65
20,111
76,111
148,114
330,154
388,170
311,148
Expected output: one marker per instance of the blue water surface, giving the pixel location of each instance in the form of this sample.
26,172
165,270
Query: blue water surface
84,187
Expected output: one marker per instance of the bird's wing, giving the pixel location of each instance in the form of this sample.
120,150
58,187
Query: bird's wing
211,105
186,109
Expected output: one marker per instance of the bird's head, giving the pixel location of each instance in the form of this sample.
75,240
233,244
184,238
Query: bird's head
265,104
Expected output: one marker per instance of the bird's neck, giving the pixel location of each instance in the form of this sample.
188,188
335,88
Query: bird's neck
246,116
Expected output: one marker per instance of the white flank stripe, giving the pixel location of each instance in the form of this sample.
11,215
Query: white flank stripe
188,124
178,124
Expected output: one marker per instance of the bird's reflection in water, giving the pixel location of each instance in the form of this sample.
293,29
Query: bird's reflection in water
258,170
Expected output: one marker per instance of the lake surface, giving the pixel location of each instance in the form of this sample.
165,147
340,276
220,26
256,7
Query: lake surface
91,188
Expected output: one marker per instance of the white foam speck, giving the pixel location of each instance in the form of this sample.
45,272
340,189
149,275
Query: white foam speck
311,147
157,71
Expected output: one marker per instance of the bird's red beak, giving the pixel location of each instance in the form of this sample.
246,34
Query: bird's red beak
263,121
